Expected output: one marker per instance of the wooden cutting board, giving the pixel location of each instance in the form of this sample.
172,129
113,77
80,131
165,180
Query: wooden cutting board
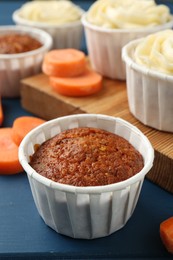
38,98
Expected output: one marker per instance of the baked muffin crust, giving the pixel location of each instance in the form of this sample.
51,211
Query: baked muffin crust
15,43
87,157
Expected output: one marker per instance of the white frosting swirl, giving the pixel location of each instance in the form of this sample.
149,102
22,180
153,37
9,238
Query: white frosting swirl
156,52
126,14
51,12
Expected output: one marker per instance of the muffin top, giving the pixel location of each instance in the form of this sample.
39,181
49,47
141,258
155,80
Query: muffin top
126,14
156,52
87,157
14,43
50,12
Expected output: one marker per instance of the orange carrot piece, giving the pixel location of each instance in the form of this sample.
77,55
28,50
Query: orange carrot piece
64,63
9,162
1,113
166,234
23,125
86,84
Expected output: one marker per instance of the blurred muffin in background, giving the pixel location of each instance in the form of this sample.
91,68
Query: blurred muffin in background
149,66
110,24
61,19
21,54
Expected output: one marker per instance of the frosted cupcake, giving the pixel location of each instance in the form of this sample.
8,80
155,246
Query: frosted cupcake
110,24
149,66
61,19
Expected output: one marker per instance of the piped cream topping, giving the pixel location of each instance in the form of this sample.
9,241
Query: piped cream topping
156,52
51,12
126,14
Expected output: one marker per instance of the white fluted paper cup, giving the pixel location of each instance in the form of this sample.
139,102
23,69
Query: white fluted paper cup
68,35
105,45
85,212
14,67
149,92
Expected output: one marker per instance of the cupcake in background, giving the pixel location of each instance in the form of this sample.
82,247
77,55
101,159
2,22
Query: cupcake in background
61,19
128,14
149,67
110,24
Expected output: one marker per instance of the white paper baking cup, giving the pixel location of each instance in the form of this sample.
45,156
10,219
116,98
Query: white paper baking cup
85,212
14,67
105,45
64,36
150,93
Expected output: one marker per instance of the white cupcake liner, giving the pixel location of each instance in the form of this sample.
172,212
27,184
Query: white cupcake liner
149,92
85,212
64,36
105,46
14,67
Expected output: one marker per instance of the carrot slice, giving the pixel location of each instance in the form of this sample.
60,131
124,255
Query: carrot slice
23,125
9,162
86,84
166,234
64,63
1,113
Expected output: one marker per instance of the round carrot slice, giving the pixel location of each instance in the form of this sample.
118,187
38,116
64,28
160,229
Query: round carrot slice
86,84
23,125
166,233
9,162
64,63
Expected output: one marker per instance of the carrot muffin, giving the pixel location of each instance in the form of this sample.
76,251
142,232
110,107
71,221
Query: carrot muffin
17,43
87,157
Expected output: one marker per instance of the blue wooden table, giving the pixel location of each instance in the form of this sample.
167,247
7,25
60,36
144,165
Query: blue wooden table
23,235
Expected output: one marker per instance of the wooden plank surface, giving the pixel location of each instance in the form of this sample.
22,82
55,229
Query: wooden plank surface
38,97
